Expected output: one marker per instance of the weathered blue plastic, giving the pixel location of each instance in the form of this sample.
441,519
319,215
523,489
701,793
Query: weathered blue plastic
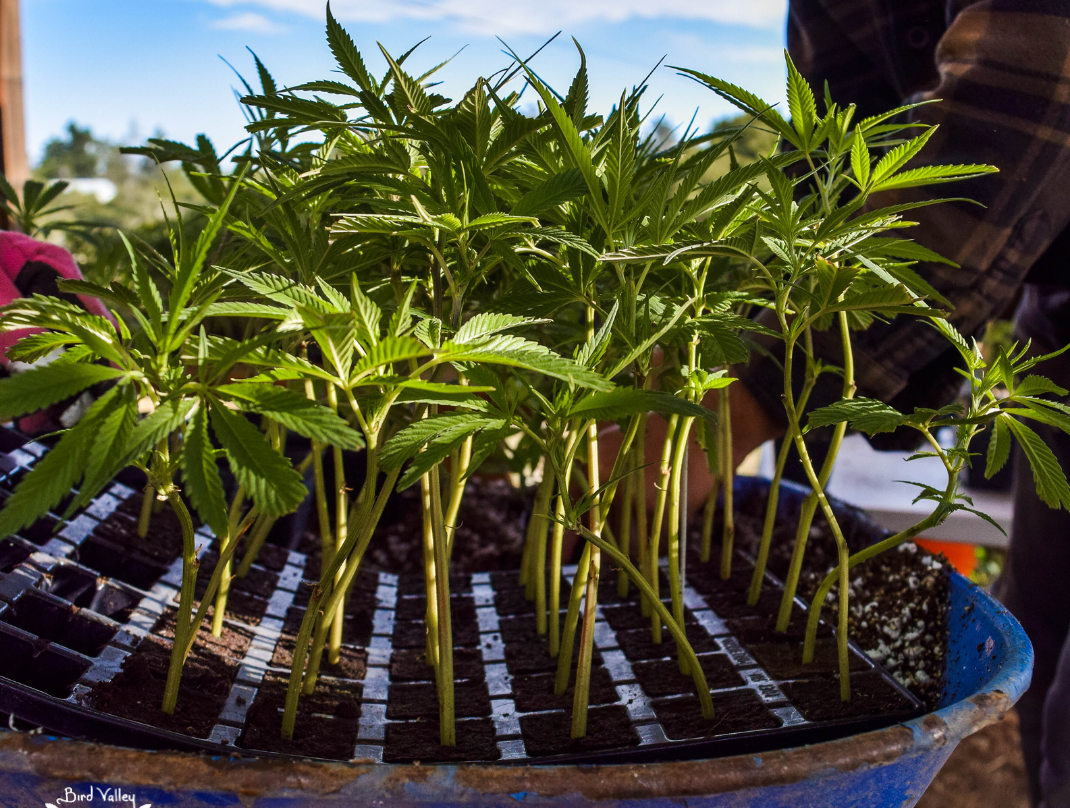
989,667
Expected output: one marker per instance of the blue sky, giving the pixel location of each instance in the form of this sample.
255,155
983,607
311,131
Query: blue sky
128,68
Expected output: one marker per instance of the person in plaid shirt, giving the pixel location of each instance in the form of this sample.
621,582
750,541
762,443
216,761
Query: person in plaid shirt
1002,70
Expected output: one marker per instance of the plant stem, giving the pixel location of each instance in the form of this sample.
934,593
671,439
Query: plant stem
795,433
145,516
809,507
675,517
654,550
625,541
446,725
228,542
341,507
581,696
540,520
430,573
771,505
675,629
556,546
708,515
356,542
458,472
640,503
728,470
572,617
185,603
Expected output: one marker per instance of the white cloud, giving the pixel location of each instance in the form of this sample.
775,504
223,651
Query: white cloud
248,21
532,16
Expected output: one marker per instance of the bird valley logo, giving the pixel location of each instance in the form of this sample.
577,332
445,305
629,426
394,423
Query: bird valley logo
106,796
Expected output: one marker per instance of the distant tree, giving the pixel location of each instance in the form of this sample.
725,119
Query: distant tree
77,155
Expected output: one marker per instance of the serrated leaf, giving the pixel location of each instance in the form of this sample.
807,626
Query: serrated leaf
294,411
486,324
346,53
864,414
622,401
1048,475
801,104
860,159
53,476
931,175
387,352
999,447
42,387
514,351
592,351
36,347
200,474
1037,386
720,343
406,443
269,479
556,190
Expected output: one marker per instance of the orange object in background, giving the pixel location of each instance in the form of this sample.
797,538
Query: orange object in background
962,556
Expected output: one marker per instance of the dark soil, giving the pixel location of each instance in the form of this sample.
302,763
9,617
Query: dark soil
409,701
663,677
413,633
410,665
737,711
164,540
352,661
137,691
870,695
899,600
231,644
418,741
550,733
314,735
535,692
637,644
260,582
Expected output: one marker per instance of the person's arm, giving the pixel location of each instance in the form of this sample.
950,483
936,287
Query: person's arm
1004,81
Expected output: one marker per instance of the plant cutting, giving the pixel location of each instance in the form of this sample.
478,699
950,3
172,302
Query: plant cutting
436,284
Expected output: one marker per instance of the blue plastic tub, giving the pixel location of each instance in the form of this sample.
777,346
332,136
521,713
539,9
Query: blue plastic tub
989,666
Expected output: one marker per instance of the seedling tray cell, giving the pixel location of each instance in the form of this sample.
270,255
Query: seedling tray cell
80,615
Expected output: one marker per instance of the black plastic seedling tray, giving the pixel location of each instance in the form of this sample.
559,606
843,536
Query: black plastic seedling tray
75,606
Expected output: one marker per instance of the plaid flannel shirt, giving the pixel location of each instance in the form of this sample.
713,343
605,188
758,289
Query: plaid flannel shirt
1002,70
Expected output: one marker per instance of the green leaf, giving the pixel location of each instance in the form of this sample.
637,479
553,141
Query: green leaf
860,159
513,351
274,484
556,190
999,447
200,473
161,423
55,474
410,440
294,411
595,348
1047,473
383,355
483,325
1037,386
720,343
346,54
801,104
622,401
36,347
42,387
864,414
900,156
931,175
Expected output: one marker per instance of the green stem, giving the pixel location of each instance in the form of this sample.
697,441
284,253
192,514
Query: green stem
540,520
642,533
675,629
430,587
708,515
556,546
446,724
654,549
675,514
356,542
809,507
572,618
625,542
145,515
728,470
581,696
228,542
341,507
185,603
771,505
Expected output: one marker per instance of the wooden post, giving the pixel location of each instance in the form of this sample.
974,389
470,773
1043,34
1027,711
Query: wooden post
13,160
